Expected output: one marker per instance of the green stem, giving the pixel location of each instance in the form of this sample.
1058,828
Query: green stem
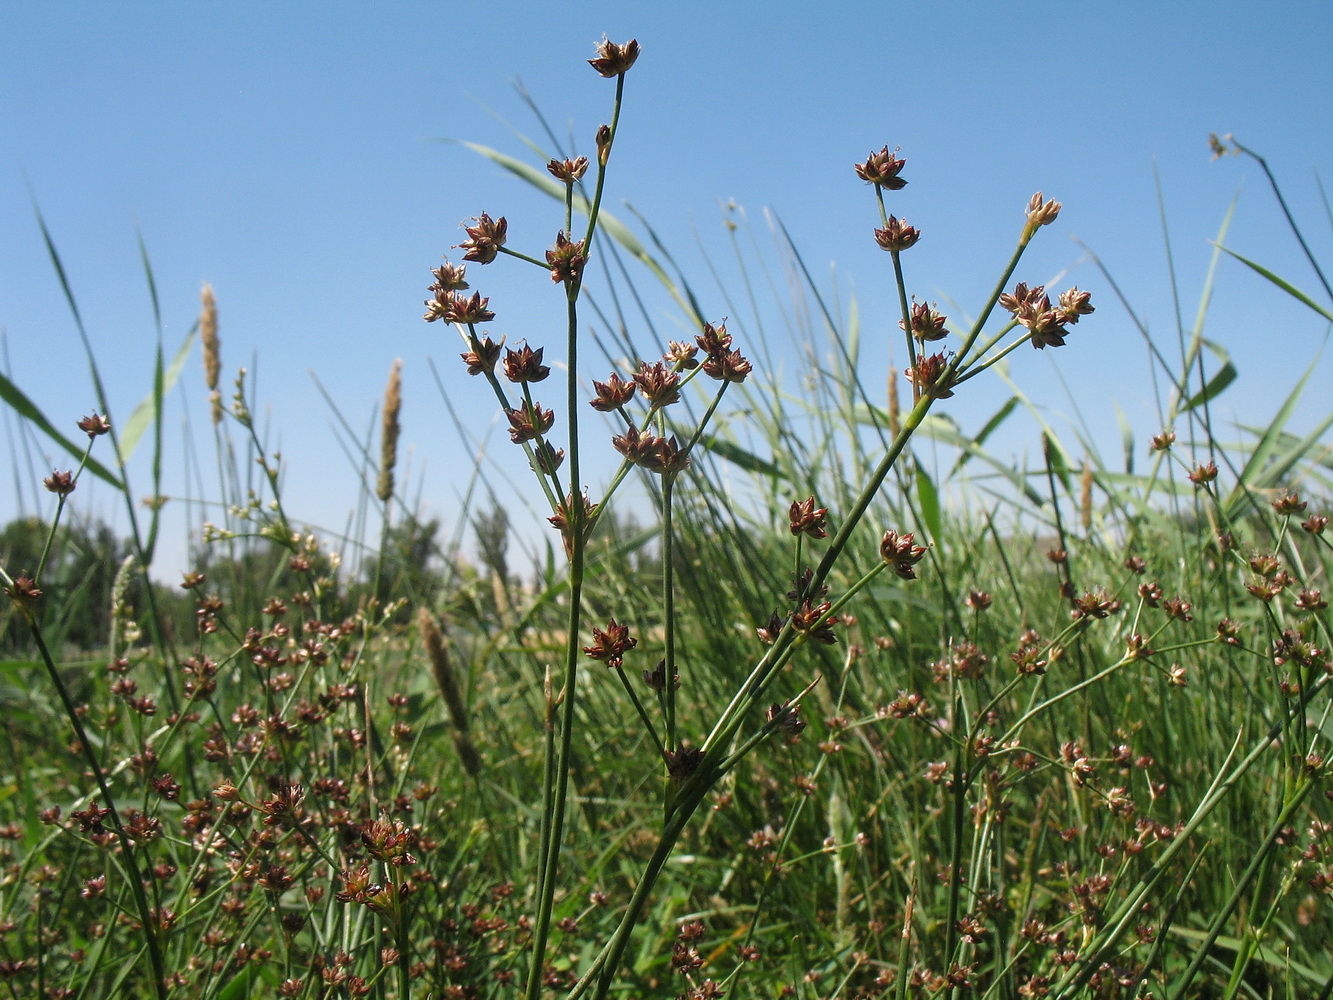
126,845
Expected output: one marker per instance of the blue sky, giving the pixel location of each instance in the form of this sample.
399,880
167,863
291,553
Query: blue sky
287,154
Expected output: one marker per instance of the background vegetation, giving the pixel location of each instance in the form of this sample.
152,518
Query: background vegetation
1069,739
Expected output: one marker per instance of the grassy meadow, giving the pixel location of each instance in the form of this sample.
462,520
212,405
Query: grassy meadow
859,709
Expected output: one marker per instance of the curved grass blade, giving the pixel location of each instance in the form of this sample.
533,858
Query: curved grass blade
1216,385
26,408
148,412
1283,284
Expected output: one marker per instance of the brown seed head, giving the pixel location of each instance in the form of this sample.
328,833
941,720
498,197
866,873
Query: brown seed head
927,322
603,144
883,168
1042,213
1022,295
807,519
525,365
95,425
900,553
714,341
547,458
729,366
529,421
60,483
682,354
612,394
1203,474
483,357
659,384
897,235
566,259
568,170
484,239
925,376
615,60
1074,304
610,645
449,278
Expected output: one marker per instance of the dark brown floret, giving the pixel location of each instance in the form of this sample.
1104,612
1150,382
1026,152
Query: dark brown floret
483,358
897,235
900,553
568,170
612,394
525,365
484,239
807,519
883,168
658,384
529,421
615,60
566,259
728,366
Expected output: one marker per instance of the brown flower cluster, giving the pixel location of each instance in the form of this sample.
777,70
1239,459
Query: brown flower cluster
1047,324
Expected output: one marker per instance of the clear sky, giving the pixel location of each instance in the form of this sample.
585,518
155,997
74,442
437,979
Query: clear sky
287,154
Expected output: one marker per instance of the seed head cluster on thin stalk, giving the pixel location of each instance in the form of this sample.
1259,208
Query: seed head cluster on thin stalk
819,757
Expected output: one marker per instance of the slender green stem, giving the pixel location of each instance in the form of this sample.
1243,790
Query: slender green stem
669,605
126,845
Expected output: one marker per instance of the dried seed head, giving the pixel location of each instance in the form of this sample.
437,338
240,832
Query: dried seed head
529,422
525,365
1204,474
927,323
95,425
1074,304
653,453
615,60
925,376
900,553
568,170
60,483
681,354
449,278
1042,213
484,356
610,644
612,394
897,235
547,458
1022,295
566,259
208,336
484,239
882,169
569,515
728,366
807,519
603,143
658,384
714,341
389,431
683,762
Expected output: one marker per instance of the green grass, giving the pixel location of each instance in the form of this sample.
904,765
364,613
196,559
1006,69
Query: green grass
1069,738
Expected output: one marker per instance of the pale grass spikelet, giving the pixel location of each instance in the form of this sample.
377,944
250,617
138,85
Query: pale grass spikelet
208,335
447,681
124,630
389,431
895,411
